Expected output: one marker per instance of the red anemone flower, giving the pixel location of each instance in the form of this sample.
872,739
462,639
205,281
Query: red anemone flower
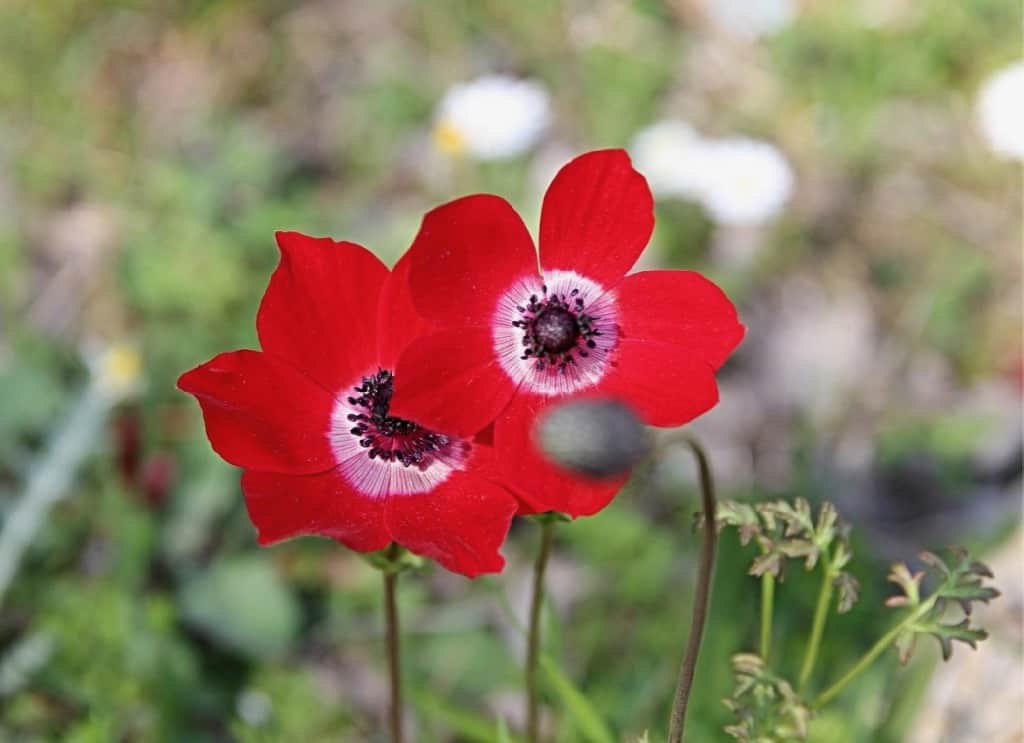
510,340
308,419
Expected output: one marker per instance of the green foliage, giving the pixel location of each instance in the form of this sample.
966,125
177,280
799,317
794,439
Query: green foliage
287,703
118,661
960,582
788,531
765,705
242,603
202,127
587,720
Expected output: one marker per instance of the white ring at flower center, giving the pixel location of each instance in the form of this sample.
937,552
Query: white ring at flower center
586,371
377,478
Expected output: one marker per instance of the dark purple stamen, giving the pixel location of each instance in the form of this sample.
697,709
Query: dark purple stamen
556,329
387,437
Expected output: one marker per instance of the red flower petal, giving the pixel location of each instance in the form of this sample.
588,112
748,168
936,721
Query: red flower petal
286,506
450,381
319,310
598,215
681,308
263,414
663,382
466,254
398,321
461,524
540,483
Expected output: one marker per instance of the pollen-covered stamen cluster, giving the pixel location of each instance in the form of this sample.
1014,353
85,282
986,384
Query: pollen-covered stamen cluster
556,329
386,437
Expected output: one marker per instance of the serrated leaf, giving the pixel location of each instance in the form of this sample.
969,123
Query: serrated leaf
848,589
739,515
795,518
766,708
825,530
980,569
909,583
930,558
947,633
905,643
770,563
842,555
800,548
964,594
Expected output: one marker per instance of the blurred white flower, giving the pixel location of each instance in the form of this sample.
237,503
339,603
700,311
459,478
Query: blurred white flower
116,369
750,19
1001,111
743,181
668,153
492,117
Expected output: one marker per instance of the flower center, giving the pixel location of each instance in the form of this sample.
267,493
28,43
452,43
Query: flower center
555,334
554,324
555,330
387,437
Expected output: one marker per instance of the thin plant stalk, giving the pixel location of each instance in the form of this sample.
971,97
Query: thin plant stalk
702,599
872,654
547,537
820,618
767,607
394,647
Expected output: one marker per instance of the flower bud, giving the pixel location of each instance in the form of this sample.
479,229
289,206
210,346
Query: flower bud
596,438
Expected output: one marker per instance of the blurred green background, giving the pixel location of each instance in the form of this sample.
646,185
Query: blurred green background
148,151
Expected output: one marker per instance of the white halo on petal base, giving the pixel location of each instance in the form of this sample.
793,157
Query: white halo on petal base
379,478
588,366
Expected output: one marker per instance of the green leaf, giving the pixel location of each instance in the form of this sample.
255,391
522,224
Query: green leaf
909,583
740,515
849,591
502,735
468,726
962,632
241,603
582,712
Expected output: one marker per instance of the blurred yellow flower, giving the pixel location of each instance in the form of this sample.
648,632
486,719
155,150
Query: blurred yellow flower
117,370
449,139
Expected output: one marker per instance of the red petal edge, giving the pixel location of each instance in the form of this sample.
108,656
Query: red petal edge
397,319
597,217
461,524
451,382
681,308
541,484
286,506
318,310
262,414
467,253
662,382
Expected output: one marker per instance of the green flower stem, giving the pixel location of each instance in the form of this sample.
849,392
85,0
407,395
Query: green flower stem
393,643
871,655
547,537
702,599
820,618
767,607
